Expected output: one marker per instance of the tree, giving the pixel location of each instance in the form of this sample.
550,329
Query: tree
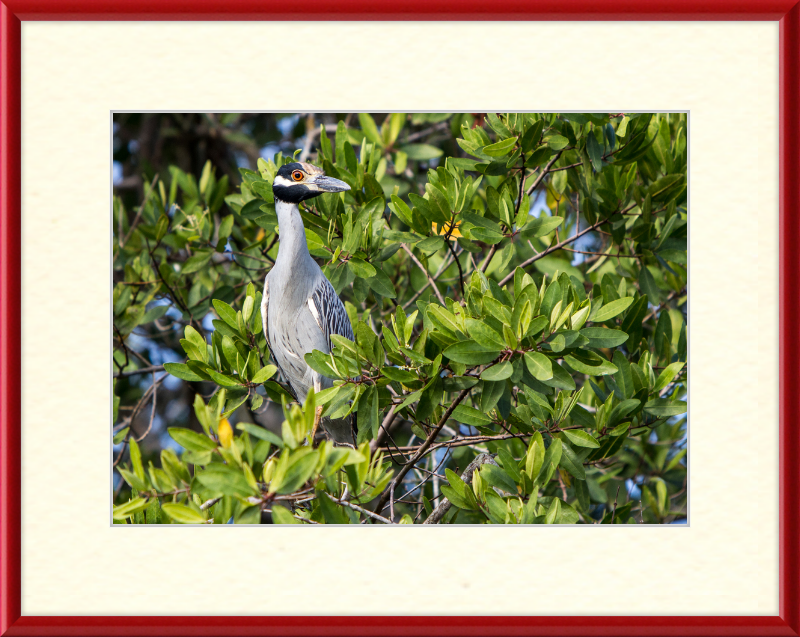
517,288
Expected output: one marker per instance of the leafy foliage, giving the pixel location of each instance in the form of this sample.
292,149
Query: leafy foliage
516,284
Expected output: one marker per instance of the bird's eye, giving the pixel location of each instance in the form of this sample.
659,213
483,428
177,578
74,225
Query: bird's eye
297,175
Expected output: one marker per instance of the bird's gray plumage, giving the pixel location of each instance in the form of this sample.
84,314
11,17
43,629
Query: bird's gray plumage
300,309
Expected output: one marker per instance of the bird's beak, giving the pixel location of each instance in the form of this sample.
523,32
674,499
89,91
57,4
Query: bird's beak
329,184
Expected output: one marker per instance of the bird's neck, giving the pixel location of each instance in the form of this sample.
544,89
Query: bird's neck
292,248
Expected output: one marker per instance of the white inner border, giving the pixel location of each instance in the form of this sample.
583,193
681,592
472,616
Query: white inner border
724,73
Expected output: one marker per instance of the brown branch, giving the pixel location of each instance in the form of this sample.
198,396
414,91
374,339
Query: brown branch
446,264
543,174
144,370
366,512
553,248
384,430
428,442
427,274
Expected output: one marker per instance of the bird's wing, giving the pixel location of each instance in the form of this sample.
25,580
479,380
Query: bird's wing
265,325
328,312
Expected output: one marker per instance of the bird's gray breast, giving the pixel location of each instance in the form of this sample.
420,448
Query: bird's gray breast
293,329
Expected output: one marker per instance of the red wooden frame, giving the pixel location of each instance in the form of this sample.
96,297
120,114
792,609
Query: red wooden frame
12,623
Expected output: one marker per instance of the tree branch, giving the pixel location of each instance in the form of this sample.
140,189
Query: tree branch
553,248
143,370
427,274
428,442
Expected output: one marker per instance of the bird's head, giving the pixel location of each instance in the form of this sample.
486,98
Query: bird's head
299,181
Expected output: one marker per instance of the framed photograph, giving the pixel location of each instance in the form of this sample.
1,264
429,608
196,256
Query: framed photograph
473,187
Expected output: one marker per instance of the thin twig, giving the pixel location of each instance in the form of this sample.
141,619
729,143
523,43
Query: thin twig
543,174
138,213
553,248
614,512
458,263
383,431
311,135
355,507
425,270
143,370
152,411
446,264
428,442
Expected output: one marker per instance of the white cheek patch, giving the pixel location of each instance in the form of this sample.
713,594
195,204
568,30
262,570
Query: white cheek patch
282,181
313,309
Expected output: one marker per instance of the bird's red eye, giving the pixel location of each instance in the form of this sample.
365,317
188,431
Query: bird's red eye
297,175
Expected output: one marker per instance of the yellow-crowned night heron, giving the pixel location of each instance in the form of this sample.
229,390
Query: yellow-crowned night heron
300,309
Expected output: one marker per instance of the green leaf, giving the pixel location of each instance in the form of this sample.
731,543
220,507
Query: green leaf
301,466
561,379
557,142
501,371
458,500
664,408
132,479
500,148
222,479
264,374
610,310
471,416
554,512
430,245
621,410
182,513
332,512
648,285
541,226
182,371
282,515
485,235
421,152
399,375
496,477
590,363
471,353
540,367
162,225
382,284
623,377
594,151
581,438
604,337
225,227
485,335
197,261
370,129
260,433
361,268
136,459
194,337
127,509
456,483
223,380
666,375
191,440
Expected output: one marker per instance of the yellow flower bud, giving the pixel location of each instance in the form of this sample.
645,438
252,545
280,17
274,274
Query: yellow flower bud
225,433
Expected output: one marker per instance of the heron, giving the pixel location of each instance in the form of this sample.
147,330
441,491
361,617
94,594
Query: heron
300,309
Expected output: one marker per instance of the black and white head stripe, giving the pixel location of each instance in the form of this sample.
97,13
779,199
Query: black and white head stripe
299,181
